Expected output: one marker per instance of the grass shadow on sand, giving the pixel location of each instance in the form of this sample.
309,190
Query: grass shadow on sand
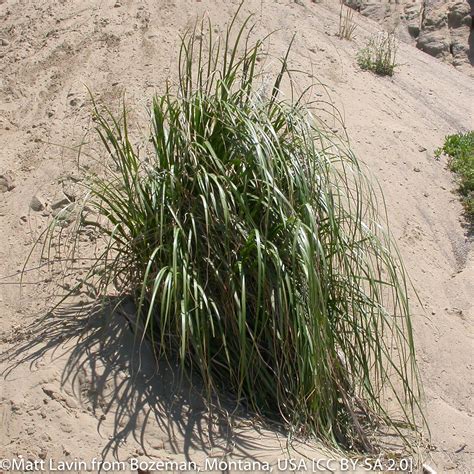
143,398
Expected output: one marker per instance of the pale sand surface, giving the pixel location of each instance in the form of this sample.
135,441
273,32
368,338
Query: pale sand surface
67,397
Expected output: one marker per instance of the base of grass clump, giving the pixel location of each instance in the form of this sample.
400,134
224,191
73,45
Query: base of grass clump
253,247
460,150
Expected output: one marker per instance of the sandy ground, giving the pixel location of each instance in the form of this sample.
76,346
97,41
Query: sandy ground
69,388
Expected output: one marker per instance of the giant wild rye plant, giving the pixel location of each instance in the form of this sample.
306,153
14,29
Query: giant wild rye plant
252,244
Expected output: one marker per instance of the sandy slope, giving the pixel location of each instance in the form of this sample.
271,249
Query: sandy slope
70,397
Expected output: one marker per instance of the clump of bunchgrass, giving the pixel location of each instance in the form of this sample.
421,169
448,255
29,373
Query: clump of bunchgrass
459,148
379,55
347,26
252,244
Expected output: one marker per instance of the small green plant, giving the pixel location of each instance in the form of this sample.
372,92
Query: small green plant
252,244
459,148
379,55
347,26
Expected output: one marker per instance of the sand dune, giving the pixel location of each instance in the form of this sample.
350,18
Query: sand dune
69,388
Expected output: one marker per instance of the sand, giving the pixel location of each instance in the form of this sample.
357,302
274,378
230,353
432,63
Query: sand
69,389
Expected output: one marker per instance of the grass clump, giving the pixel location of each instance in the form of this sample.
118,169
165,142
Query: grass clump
459,148
379,55
347,26
253,247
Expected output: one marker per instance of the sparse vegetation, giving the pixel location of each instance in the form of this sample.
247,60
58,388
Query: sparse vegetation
459,148
379,55
252,244
347,26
